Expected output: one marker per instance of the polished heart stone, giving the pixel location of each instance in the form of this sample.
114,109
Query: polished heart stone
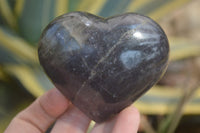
100,64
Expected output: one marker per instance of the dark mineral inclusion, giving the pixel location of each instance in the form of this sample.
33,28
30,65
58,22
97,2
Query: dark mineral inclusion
103,64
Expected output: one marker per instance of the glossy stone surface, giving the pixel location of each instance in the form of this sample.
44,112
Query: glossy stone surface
103,65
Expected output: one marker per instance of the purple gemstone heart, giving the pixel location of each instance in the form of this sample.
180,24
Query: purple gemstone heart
102,65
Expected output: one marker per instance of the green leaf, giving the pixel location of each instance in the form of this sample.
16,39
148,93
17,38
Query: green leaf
183,48
33,79
7,56
17,46
35,15
162,100
18,8
61,7
7,14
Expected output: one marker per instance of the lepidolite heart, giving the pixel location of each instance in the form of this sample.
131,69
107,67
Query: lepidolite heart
103,65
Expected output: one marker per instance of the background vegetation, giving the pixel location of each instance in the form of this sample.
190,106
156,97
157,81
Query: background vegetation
171,105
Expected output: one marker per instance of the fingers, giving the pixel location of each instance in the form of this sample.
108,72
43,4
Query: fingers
126,121
72,121
40,114
105,127
51,106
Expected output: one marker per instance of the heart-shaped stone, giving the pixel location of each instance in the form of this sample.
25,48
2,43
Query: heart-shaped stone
103,65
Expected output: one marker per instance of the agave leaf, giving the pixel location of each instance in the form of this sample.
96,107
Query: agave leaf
156,9
7,56
17,46
135,5
30,78
153,8
73,5
18,8
183,48
162,100
170,123
36,14
165,8
7,14
3,76
61,7
94,7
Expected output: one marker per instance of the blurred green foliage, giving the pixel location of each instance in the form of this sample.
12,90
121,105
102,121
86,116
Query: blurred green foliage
21,23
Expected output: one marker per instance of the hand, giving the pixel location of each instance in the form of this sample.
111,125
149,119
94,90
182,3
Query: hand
54,107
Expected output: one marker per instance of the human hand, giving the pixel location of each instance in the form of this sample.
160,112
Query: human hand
54,107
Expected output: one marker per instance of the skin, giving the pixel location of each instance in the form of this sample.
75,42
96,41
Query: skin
54,107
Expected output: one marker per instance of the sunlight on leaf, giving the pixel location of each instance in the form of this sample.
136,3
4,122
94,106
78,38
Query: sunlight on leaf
91,6
61,7
136,4
182,49
26,77
19,7
166,8
18,46
7,14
